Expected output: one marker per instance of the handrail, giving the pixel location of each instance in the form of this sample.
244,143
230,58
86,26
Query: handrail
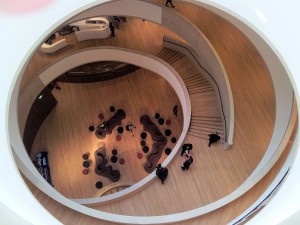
219,94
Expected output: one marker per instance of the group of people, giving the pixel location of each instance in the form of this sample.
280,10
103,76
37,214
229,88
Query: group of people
162,172
185,151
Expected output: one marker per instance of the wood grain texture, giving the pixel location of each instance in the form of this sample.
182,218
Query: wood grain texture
214,173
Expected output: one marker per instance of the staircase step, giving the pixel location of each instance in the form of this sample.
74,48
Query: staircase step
208,130
200,86
203,90
174,58
193,79
206,123
202,94
170,56
201,118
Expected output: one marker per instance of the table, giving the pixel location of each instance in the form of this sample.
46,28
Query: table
100,22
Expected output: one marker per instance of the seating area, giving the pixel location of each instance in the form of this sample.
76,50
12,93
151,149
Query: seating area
107,126
160,141
54,47
93,28
101,169
96,32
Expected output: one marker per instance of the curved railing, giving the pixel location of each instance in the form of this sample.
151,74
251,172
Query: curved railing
230,102
146,61
267,53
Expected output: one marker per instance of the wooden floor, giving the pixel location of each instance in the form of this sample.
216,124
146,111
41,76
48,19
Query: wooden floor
66,136
214,173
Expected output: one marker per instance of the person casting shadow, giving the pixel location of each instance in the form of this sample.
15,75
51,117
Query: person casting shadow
186,148
213,138
161,173
171,2
187,163
175,110
112,29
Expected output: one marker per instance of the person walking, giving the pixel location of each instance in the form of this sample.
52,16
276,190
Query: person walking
175,110
53,85
171,2
187,163
186,148
161,173
213,138
112,29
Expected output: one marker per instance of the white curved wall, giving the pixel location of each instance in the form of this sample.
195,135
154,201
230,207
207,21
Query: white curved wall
279,30
206,55
283,89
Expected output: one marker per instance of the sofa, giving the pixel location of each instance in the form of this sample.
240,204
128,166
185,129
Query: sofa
46,48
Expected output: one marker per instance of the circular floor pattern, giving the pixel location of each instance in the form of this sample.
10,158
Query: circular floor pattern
168,122
143,135
121,161
114,151
161,121
168,151
91,128
173,140
114,159
157,115
112,109
86,164
139,155
145,149
86,156
168,132
101,116
118,138
120,130
143,142
85,171
99,185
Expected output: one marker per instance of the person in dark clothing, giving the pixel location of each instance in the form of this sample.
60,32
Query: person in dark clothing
186,148
53,85
112,29
187,163
161,173
213,138
117,18
175,110
104,125
171,2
